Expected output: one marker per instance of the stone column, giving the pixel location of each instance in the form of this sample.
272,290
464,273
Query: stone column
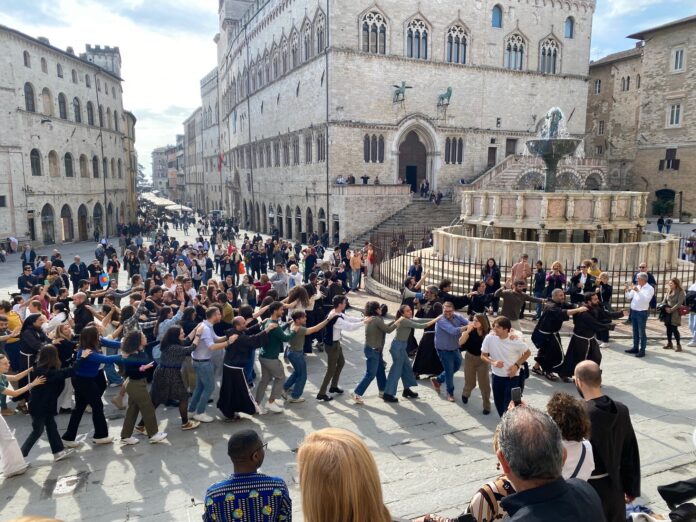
519,234
593,235
520,207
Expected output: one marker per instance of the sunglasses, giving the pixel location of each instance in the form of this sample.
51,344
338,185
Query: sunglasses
262,447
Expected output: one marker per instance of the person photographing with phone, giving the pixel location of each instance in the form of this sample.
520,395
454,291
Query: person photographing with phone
506,356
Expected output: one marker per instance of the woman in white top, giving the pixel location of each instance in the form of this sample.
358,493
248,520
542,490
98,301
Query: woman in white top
572,419
60,316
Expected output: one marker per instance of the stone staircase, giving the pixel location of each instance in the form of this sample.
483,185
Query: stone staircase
419,214
505,175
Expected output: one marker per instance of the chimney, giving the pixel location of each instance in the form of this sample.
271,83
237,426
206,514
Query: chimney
70,50
43,40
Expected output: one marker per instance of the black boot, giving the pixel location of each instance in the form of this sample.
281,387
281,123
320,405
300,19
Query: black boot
409,394
389,398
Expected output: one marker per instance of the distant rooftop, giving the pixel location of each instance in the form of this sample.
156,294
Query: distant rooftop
622,55
641,34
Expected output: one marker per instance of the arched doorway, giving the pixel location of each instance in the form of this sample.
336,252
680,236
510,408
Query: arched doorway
310,222
322,222
98,220
664,202
288,222
123,213
246,216
110,220
82,223
298,223
257,226
568,180
48,225
531,180
279,221
67,223
593,182
413,160
264,219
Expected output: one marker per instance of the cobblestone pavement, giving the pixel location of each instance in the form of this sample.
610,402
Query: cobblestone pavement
432,454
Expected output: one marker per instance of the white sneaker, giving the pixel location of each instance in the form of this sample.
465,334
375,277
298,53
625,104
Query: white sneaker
262,411
105,440
272,406
296,401
129,441
160,436
71,443
357,399
63,454
202,417
16,472
692,343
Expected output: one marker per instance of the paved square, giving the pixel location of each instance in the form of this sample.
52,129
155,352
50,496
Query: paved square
432,454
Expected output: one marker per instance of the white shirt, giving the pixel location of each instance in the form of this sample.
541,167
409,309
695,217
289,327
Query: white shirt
207,339
346,323
295,280
640,300
505,350
573,453
50,326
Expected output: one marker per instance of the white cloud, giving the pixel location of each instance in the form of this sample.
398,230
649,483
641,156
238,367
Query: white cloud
161,67
622,7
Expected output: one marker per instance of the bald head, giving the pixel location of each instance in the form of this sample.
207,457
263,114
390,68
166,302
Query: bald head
589,373
79,298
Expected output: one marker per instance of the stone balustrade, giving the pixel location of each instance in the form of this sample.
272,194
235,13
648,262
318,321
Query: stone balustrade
371,190
655,249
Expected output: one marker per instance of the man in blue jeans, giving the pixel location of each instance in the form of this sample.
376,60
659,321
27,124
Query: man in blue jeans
205,342
640,295
506,356
447,332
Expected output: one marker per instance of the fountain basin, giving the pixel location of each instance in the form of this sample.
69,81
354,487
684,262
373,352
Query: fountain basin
553,148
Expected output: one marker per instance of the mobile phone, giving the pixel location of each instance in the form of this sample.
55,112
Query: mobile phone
516,394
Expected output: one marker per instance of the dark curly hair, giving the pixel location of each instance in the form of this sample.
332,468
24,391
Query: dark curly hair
570,415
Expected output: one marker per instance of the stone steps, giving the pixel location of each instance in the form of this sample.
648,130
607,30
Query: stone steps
419,214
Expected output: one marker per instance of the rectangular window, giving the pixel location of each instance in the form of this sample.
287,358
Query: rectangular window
675,115
599,150
3,201
600,128
597,86
678,60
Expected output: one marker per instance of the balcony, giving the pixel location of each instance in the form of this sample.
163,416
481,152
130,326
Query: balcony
371,190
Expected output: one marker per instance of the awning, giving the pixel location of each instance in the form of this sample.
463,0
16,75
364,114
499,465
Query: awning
181,208
156,200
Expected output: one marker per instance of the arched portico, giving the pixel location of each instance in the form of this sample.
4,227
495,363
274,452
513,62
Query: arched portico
416,150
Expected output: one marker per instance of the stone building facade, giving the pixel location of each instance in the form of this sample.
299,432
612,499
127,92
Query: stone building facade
131,156
645,105
307,94
212,165
63,161
159,170
194,188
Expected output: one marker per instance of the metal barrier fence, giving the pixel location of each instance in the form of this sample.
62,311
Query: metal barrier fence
395,251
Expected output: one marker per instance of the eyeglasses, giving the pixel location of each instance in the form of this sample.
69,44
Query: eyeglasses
262,447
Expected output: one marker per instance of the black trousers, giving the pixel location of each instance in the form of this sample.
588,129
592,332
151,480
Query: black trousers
38,424
88,391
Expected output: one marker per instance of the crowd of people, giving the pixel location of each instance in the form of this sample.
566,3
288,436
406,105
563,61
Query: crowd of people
222,315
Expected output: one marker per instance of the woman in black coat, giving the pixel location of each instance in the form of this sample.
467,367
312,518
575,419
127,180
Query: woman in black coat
32,338
44,402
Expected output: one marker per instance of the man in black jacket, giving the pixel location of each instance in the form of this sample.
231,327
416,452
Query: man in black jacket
531,455
77,272
616,476
580,284
25,282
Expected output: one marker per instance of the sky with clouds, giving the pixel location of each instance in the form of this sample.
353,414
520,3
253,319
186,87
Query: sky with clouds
167,46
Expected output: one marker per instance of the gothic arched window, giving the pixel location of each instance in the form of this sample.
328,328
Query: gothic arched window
514,52
29,100
457,40
570,27
374,33
417,39
497,17
549,55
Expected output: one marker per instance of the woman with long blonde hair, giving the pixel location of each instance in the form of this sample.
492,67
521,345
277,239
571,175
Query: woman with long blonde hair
339,479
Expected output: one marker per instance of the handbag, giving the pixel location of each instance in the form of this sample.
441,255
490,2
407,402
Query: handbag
684,310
